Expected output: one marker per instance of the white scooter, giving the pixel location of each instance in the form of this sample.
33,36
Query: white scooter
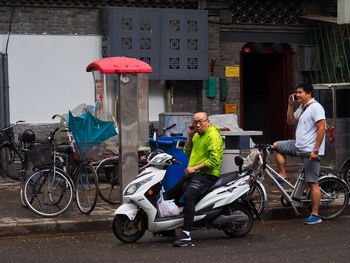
226,205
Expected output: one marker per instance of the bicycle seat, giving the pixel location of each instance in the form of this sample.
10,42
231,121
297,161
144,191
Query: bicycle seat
65,149
224,179
176,134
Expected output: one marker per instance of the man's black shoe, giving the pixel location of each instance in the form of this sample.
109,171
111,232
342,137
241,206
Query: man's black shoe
183,241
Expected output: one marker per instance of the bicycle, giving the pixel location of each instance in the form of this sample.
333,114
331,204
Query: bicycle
80,170
21,158
84,177
49,191
334,190
12,154
108,171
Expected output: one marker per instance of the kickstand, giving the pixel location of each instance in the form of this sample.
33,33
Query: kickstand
295,209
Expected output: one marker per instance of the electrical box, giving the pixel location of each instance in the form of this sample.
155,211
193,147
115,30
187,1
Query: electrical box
210,88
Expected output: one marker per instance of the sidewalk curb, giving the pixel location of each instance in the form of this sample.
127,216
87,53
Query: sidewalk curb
25,227
49,226
15,228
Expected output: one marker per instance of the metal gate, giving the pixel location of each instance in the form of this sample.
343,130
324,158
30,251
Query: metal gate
330,53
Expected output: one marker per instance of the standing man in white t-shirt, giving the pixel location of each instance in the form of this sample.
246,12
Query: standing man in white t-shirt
309,142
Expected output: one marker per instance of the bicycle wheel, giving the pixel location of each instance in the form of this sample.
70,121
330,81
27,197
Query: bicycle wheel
258,198
47,193
86,188
108,175
13,163
21,194
346,173
334,197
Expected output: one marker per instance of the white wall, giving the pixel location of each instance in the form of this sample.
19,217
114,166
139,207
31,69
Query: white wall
156,99
47,74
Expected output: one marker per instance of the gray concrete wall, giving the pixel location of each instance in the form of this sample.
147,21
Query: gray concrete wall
55,21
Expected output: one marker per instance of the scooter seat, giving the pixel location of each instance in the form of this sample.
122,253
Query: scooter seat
224,179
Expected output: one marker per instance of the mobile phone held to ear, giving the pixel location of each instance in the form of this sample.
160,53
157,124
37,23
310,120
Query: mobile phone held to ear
191,127
294,97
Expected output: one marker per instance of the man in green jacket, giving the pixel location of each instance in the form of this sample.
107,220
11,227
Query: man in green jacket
205,147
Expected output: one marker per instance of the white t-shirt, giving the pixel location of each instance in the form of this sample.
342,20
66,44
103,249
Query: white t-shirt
306,133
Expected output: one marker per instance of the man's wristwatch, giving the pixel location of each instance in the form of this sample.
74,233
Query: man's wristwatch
316,152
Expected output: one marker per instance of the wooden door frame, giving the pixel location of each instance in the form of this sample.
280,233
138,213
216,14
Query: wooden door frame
268,48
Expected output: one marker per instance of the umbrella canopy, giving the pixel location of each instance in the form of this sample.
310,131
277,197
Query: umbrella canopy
88,131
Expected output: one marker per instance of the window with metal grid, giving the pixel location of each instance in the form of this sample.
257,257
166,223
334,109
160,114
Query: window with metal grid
173,42
274,12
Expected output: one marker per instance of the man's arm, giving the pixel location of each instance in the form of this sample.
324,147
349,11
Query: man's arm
189,143
321,130
290,112
190,170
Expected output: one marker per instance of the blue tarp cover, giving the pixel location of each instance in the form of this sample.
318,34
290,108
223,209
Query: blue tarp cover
88,130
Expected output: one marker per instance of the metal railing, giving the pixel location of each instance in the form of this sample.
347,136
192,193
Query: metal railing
330,53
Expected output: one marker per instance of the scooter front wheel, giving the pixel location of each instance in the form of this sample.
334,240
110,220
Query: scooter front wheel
242,222
127,230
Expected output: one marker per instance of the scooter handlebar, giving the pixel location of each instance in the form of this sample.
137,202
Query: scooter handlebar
177,162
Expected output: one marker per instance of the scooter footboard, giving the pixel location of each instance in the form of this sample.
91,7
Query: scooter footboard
129,209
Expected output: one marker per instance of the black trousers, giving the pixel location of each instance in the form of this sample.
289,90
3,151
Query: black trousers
192,188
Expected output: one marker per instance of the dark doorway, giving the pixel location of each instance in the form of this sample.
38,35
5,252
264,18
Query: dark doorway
265,86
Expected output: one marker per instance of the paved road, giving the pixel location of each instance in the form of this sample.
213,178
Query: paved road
273,241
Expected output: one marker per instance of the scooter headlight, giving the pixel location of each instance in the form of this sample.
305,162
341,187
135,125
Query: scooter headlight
131,189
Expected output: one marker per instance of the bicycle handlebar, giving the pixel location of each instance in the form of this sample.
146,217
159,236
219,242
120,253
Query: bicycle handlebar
177,162
63,119
11,126
52,135
170,127
266,149
262,147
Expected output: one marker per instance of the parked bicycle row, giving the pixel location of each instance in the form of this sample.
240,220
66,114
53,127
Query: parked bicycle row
52,175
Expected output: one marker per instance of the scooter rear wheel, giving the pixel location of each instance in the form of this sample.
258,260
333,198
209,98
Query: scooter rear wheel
239,230
127,230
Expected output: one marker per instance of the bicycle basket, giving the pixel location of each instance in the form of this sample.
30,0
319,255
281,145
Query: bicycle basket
40,154
252,162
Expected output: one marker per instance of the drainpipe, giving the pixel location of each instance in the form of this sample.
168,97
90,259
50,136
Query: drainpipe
168,99
4,100
4,91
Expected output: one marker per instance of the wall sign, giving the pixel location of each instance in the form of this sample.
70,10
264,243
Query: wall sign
232,72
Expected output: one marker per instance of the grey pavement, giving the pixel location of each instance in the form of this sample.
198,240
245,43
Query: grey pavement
16,220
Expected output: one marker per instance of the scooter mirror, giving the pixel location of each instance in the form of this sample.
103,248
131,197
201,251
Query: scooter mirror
239,162
155,138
